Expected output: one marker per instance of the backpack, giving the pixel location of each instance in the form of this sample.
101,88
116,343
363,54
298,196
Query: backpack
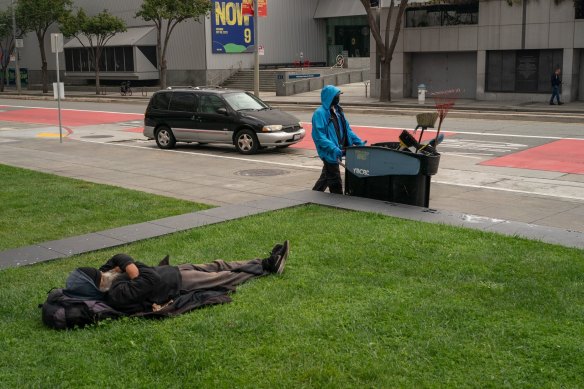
62,312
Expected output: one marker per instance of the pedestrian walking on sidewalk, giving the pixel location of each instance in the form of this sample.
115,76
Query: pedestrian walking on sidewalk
332,135
556,82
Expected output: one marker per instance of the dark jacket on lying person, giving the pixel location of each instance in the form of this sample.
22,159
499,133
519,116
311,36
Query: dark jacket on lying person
154,285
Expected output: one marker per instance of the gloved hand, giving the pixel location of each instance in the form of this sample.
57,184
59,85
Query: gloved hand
363,143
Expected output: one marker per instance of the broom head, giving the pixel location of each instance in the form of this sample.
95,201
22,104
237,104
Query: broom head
427,119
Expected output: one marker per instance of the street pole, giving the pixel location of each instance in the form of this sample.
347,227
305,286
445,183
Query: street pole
17,70
59,97
256,54
57,47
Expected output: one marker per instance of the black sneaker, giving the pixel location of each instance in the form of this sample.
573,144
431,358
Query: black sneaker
560,103
276,250
270,264
283,255
552,103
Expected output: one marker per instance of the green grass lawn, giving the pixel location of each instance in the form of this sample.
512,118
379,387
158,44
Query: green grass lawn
37,207
365,302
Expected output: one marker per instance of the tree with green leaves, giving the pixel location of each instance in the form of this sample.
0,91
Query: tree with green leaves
385,47
93,32
166,15
7,40
40,15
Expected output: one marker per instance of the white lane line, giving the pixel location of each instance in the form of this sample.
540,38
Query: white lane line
205,155
507,190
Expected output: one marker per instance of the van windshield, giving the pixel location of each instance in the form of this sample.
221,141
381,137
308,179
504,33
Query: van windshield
241,101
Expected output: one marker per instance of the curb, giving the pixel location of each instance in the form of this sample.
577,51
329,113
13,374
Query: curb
391,109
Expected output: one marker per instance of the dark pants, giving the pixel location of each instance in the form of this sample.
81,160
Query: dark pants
555,93
219,273
329,178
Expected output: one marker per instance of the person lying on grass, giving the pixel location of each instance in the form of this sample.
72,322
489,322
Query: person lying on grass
132,287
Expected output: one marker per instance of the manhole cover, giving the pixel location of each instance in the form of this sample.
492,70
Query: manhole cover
262,172
97,136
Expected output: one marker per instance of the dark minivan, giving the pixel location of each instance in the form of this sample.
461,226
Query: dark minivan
217,115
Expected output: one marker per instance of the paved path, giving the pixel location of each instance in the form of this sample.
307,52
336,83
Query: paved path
124,235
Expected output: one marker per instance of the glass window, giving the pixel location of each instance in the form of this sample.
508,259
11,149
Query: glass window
522,71
210,103
110,59
161,100
69,60
241,101
90,59
182,101
84,61
442,15
102,62
119,59
150,54
76,57
128,59
579,7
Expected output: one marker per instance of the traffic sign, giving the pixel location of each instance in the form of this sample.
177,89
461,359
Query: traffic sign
56,42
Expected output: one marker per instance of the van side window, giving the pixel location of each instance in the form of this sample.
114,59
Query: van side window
210,104
161,100
182,101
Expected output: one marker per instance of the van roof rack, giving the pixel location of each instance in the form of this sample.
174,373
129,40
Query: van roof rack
181,87
194,87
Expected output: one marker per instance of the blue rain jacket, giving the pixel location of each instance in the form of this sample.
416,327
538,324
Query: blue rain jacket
328,145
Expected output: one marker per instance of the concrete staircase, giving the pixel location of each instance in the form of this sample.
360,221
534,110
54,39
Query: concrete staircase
243,79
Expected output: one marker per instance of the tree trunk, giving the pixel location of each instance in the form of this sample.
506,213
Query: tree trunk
44,69
163,74
385,69
97,80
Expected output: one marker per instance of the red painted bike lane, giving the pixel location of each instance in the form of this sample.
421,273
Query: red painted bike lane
69,117
565,156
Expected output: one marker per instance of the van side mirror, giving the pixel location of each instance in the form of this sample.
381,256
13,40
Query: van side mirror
221,111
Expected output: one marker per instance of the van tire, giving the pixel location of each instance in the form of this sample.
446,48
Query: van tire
246,142
165,138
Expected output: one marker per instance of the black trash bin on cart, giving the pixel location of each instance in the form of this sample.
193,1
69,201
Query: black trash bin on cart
382,172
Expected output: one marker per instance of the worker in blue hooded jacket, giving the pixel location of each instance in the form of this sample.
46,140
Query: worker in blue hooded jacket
332,135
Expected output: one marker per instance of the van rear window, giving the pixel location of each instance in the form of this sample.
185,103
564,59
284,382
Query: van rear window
160,100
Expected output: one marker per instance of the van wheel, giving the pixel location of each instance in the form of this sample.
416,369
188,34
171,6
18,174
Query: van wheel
165,138
246,142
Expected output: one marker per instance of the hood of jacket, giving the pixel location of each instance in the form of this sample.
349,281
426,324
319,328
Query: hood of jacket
81,286
327,95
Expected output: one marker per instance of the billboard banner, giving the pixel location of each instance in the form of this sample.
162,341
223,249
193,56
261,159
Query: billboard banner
231,30
248,7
